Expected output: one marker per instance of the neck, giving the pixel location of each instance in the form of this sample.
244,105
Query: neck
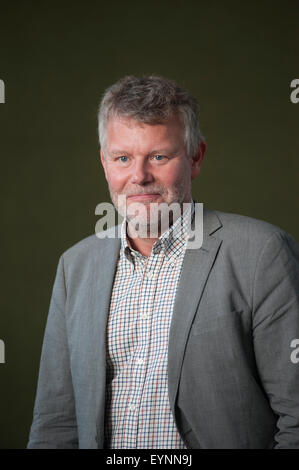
145,244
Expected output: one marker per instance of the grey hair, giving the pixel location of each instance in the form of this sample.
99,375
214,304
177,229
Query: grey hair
151,99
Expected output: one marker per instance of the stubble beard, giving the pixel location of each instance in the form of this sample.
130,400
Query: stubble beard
154,217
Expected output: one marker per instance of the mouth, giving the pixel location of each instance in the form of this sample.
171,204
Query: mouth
144,197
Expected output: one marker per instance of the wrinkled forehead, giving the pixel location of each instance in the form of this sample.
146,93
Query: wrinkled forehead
128,130
174,118
134,137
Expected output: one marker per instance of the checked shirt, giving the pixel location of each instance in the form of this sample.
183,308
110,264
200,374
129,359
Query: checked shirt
138,414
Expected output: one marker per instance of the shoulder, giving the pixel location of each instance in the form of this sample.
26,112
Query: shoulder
249,244
85,250
238,226
249,237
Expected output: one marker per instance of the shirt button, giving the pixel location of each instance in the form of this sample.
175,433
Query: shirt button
149,274
140,361
144,316
132,407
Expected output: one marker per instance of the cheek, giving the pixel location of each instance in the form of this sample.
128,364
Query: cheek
116,180
172,175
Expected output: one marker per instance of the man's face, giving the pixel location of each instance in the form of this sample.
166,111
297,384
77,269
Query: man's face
148,163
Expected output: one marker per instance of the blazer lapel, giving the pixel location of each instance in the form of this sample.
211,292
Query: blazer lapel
195,270
104,268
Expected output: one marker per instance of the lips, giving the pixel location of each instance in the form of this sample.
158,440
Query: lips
143,197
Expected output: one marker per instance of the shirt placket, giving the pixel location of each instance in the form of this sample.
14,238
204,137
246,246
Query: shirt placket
146,270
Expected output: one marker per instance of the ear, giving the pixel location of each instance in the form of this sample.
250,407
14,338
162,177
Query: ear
197,159
103,161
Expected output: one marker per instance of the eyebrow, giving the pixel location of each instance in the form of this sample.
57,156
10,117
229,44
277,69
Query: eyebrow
117,152
155,151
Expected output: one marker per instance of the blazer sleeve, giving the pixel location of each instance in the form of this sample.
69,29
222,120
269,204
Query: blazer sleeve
54,418
275,326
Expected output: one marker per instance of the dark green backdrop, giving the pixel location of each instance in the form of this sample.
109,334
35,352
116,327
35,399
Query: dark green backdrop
56,58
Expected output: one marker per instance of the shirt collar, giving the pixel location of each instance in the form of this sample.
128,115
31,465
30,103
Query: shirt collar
171,241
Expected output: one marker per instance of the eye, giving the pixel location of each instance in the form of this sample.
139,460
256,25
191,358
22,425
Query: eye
123,159
159,157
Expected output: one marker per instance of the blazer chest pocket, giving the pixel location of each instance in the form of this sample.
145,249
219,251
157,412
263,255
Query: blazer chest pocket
217,323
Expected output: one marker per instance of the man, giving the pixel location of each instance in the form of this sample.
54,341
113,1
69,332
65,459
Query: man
152,344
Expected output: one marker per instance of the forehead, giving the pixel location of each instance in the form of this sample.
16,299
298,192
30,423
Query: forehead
129,131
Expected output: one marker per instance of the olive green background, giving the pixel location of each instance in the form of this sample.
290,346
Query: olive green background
56,59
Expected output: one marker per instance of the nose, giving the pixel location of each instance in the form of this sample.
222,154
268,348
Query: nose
141,173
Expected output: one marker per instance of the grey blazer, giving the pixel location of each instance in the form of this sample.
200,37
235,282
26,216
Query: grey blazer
231,381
